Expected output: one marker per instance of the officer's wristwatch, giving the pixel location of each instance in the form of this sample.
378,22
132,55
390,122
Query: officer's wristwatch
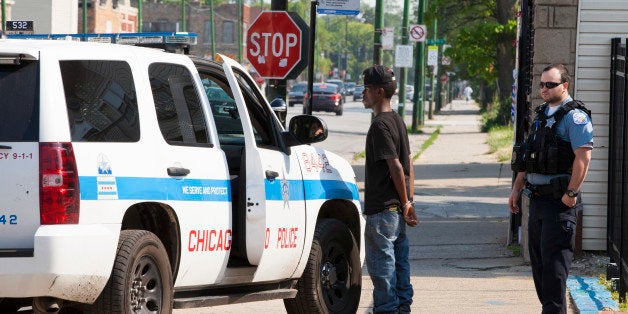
571,193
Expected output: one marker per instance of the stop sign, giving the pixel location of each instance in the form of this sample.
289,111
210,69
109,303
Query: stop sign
274,44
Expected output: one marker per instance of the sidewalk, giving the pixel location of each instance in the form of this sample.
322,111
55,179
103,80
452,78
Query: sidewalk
459,259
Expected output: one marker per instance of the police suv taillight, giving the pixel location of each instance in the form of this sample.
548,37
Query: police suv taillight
58,184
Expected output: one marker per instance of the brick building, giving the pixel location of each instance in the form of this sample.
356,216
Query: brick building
160,17
108,16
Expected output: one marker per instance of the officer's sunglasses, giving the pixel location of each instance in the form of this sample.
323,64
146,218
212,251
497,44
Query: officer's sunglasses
549,85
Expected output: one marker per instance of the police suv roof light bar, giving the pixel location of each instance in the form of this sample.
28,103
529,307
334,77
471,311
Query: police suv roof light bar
170,41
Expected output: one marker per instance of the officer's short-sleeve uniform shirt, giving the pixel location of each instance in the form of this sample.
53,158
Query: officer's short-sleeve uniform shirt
387,138
575,127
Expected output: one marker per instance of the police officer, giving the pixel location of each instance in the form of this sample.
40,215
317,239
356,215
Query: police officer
552,165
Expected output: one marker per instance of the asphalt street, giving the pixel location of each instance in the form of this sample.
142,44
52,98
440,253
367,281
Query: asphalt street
460,262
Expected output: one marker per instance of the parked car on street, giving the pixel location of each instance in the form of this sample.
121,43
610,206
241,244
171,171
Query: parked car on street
326,97
350,87
341,86
295,96
409,92
357,93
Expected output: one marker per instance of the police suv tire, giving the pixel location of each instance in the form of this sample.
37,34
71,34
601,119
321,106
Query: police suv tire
332,280
141,277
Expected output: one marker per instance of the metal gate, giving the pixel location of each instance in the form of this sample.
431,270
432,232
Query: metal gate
525,54
617,237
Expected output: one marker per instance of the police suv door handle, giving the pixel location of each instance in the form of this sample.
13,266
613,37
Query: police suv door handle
178,171
271,175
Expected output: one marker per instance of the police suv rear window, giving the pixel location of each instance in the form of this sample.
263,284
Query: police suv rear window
19,103
178,105
101,101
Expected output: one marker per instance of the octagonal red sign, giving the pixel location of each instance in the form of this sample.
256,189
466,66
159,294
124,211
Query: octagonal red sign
273,44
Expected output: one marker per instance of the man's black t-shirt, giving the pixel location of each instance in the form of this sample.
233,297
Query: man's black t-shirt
387,138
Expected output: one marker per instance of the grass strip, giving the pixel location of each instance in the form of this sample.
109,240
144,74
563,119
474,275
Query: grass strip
427,143
499,141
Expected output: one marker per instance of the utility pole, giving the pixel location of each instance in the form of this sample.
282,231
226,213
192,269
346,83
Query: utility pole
212,30
84,15
379,24
240,37
4,15
140,20
183,15
402,72
430,113
419,76
277,88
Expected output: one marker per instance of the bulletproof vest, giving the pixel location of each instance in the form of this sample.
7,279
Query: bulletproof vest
543,151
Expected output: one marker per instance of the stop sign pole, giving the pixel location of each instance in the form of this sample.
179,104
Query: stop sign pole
310,74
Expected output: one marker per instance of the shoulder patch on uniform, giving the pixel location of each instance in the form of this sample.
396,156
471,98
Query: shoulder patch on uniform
579,118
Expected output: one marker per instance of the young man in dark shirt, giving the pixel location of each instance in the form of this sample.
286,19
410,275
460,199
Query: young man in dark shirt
389,189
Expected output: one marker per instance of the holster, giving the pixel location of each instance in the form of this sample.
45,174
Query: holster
559,186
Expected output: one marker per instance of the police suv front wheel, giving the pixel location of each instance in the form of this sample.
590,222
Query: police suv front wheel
141,279
332,280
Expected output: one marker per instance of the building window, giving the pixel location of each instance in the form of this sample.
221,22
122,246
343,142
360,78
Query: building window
103,3
207,33
228,30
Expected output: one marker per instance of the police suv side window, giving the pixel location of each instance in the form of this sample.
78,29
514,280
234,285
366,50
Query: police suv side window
262,118
178,105
224,110
101,101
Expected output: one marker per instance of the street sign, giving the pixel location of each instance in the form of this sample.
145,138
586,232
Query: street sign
19,27
403,56
432,55
417,32
388,38
435,41
339,7
443,78
275,46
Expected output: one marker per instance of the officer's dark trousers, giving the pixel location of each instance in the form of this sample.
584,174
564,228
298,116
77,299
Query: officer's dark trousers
551,233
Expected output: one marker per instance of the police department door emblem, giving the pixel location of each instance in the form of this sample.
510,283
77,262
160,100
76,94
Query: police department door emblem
285,190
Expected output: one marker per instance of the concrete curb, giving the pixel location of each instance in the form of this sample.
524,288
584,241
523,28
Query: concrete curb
589,296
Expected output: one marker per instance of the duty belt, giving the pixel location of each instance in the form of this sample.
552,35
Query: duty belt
544,189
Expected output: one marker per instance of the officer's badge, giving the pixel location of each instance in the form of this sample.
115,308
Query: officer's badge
550,122
579,118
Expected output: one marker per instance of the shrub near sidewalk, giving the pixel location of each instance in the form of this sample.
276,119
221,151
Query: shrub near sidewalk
500,142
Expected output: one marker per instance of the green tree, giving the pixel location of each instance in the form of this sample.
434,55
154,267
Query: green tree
482,33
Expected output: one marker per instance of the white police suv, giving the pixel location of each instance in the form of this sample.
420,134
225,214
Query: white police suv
136,180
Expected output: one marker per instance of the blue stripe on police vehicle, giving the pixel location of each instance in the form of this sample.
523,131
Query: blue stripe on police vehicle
138,188
315,189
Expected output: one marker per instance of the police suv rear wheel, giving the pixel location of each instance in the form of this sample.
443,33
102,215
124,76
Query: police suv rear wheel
141,279
332,280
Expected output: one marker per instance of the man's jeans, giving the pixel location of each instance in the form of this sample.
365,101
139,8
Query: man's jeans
387,261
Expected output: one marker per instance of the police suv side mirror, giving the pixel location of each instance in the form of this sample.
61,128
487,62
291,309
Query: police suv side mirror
307,129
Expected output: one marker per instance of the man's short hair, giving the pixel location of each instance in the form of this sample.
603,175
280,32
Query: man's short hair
564,73
380,76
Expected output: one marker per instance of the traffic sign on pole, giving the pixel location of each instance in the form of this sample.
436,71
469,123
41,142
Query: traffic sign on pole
435,41
403,56
418,32
275,44
339,7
